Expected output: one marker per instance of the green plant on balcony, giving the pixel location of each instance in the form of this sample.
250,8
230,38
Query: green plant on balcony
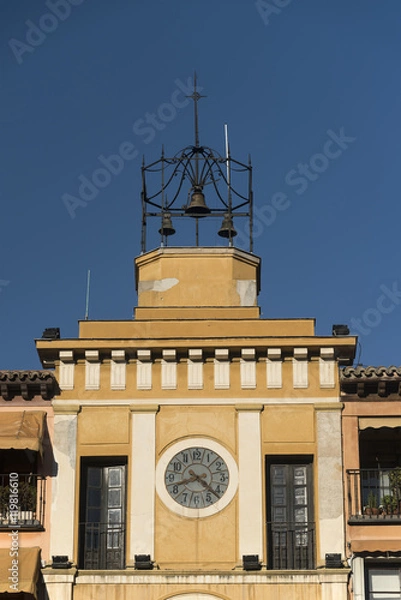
27,496
4,499
23,504
371,507
395,485
389,504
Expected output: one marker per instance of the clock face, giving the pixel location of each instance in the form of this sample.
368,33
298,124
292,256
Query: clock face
196,477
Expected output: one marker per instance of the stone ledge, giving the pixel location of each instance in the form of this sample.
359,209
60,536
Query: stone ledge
267,577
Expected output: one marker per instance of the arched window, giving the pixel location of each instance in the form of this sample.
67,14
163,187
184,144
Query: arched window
194,596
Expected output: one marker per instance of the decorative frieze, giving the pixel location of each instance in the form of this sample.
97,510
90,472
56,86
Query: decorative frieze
221,369
118,370
274,368
144,370
169,370
248,369
195,369
245,369
66,370
327,368
92,370
300,368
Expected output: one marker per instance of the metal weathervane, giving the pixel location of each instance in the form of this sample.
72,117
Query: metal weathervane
174,187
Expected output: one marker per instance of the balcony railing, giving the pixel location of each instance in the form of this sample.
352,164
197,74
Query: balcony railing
374,495
291,545
22,501
102,546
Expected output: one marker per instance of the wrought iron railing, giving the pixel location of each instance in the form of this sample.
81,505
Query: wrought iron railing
291,545
374,495
22,501
102,546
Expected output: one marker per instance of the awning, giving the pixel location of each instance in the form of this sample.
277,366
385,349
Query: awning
24,574
379,422
376,545
22,430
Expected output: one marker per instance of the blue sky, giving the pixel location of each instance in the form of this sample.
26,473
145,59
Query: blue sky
310,89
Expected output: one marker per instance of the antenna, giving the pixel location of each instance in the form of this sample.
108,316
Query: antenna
87,295
227,155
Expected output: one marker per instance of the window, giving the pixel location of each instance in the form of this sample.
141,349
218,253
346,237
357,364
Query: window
383,582
290,526
22,470
22,490
102,513
380,448
372,488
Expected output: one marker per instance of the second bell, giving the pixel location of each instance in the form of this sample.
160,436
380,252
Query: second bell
167,225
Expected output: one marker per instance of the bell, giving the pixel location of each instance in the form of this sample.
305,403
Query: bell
227,228
197,207
167,225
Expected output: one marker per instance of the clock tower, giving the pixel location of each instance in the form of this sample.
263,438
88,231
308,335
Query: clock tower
199,446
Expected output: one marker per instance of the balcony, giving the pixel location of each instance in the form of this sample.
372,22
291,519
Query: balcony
22,501
291,545
374,496
102,546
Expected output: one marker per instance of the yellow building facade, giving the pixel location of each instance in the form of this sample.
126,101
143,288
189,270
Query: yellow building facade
198,446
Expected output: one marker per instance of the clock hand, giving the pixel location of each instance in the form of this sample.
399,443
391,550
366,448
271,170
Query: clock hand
184,481
207,486
194,477
191,472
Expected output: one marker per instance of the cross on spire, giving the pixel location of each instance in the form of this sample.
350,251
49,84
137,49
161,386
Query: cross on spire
195,97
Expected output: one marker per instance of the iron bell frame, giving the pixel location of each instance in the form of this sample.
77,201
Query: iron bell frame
188,173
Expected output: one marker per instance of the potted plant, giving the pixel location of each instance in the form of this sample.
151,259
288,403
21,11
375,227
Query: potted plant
389,504
371,507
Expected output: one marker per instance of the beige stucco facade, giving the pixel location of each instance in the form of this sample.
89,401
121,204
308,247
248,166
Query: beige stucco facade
38,537
27,471
198,368
371,428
